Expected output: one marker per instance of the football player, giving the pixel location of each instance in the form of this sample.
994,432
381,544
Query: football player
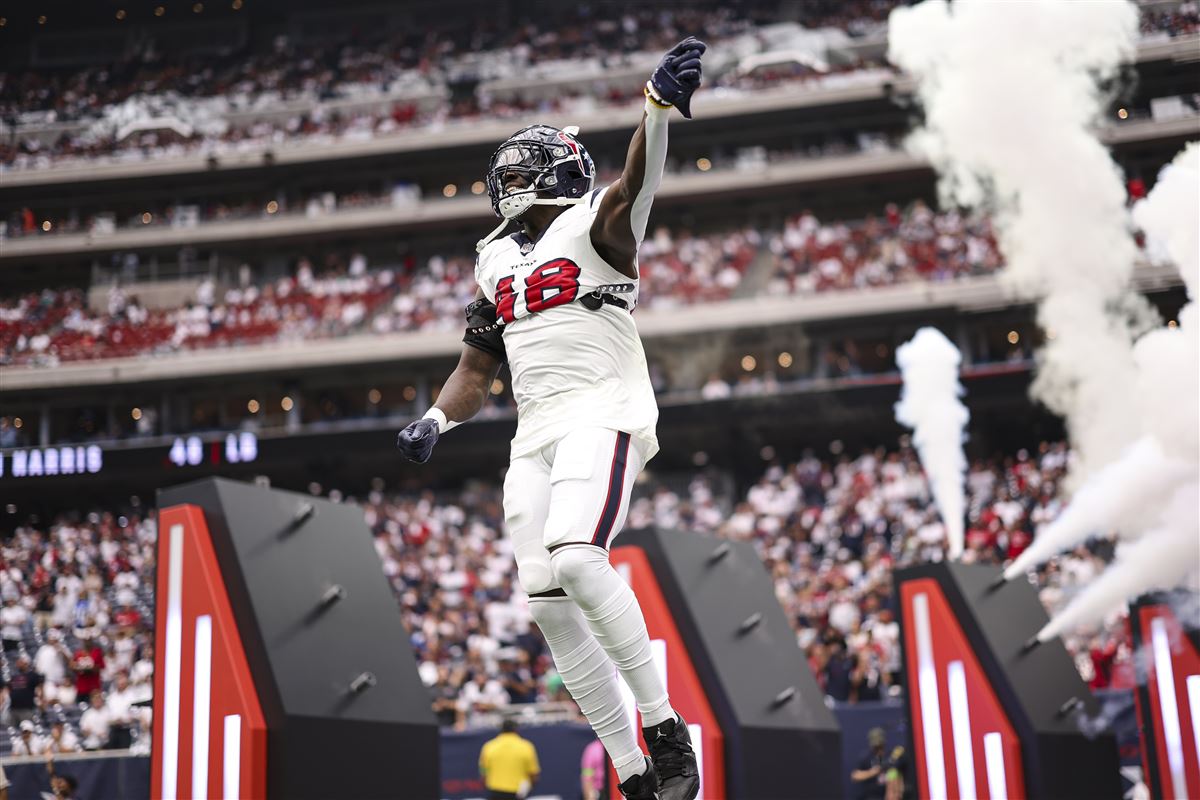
555,301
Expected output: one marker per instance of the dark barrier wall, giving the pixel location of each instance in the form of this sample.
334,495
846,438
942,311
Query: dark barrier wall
560,748
100,778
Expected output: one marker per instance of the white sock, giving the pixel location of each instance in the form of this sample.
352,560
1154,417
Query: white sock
590,678
615,619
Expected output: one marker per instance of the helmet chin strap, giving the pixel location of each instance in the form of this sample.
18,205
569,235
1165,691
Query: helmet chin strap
514,206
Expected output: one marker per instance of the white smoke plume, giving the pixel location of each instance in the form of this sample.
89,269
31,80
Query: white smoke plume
1011,94
1159,560
1166,488
930,405
1116,498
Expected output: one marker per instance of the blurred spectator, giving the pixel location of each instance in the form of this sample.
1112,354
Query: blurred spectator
24,690
593,771
509,764
879,775
87,662
63,787
96,723
62,739
51,658
8,433
482,694
28,742
516,678
121,711
13,618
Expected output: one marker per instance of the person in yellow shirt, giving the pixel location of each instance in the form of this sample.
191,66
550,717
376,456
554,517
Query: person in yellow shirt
508,764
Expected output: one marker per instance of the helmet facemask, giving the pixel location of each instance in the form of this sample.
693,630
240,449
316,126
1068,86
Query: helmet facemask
549,161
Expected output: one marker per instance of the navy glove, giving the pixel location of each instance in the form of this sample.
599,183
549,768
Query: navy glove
417,440
678,76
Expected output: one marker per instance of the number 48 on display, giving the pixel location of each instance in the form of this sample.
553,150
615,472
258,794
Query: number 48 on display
239,449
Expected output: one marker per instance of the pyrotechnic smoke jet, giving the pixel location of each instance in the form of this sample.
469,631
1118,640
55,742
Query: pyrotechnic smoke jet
1166,488
930,405
1011,96
1012,92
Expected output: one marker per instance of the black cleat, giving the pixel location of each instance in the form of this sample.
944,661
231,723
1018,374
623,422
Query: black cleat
674,760
641,787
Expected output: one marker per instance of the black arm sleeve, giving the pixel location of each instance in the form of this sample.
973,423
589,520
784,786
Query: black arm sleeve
483,332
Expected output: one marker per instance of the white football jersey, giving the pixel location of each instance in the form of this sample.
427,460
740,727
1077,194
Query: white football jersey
572,367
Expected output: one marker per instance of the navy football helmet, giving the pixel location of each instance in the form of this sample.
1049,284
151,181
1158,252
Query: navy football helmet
551,161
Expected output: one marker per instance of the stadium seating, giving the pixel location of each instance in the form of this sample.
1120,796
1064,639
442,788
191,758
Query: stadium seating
803,257
367,70
829,530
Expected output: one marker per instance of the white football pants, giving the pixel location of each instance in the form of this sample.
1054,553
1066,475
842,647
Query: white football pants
563,505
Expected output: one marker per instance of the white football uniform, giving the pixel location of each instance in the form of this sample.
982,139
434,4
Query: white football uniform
571,367
586,411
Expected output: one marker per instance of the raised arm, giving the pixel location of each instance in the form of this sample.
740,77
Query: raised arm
620,223
466,390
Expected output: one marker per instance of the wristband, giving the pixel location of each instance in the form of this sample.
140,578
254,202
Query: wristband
439,416
653,99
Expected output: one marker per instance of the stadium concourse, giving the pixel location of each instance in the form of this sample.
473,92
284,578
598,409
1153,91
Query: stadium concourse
829,530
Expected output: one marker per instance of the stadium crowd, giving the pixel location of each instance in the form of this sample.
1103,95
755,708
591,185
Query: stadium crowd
343,294
77,620
385,74
383,56
163,105
77,663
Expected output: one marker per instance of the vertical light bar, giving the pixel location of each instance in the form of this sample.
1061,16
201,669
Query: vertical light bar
1164,675
231,767
658,651
697,734
960,720
931,711
1193,690
174,664
993,755
201,707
